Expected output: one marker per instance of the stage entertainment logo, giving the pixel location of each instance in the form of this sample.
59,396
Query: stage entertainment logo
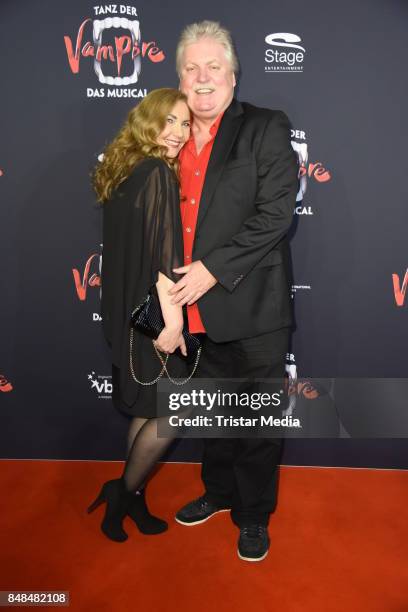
102,385
283,54
113,41
400,289
315,170
5,385
90,277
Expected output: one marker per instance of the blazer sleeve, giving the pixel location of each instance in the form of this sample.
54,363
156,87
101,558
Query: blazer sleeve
275,201
162,226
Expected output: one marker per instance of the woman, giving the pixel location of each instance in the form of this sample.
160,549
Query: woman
142,242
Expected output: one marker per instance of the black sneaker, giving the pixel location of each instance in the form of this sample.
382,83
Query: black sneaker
198,511
253,543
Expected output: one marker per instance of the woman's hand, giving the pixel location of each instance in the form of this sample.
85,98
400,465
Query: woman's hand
170,339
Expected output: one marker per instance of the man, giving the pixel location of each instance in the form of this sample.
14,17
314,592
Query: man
239,185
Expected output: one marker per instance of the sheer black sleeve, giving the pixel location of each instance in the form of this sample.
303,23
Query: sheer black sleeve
162,227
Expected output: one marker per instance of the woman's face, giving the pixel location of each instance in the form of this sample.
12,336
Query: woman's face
177,129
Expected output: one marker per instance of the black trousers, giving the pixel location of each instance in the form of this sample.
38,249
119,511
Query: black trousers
242,473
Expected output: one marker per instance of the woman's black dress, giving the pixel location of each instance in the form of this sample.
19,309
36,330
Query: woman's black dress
142,235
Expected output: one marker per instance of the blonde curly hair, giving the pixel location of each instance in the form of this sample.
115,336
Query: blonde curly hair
136,140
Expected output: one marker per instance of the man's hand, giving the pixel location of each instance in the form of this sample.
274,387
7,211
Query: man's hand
196,281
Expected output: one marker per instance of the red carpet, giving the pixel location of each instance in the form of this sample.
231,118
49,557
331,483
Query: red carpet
339,543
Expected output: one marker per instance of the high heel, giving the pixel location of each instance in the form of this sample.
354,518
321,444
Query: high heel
139,513
98,501
114,493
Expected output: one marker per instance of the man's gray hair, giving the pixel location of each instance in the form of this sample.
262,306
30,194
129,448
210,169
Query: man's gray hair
207,29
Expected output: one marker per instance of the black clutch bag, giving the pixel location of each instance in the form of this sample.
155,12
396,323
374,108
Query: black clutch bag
148,318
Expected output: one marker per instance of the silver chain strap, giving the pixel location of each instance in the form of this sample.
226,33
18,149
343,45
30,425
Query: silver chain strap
152,382
182,382
163,362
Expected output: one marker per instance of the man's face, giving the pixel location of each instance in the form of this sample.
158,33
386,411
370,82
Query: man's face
207,78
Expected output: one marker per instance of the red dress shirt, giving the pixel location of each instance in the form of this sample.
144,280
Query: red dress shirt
193,167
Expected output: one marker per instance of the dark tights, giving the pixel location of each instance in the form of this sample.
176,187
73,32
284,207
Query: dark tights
144,450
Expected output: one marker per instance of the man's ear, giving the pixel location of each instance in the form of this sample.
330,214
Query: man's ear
234,80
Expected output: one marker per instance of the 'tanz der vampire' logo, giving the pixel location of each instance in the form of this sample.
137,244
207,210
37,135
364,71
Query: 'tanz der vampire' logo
89,278
5,385
116,47
400,289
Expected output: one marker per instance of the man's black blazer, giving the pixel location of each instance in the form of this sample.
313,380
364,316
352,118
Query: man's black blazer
246,209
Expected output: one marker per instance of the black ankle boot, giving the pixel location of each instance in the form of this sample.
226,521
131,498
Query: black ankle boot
114,493
139,513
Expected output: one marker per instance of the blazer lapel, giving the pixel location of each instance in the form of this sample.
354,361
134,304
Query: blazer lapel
227,132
